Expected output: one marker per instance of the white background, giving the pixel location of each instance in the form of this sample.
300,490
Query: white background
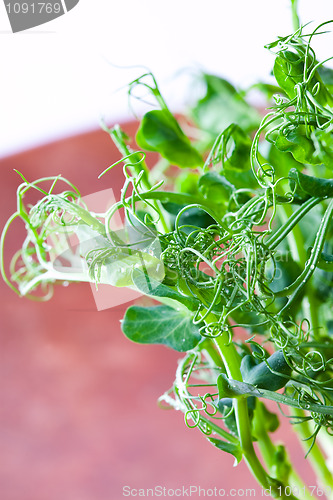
61,78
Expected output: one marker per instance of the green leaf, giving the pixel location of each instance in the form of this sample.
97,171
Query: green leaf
149,286
251,319
315,148
159,131
259,375
243,180
215,187
161,325
325,262
326,74
297,143
282,161
170,198
288,71
323,142
229,418
267,89
221,106
119,267
187,182
313,186
286,271
231,448
234,152
235,389
194,216
238,157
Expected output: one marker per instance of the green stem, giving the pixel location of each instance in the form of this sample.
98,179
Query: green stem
231,361
221,432
266,446
290,221
294,14
116,135
310,308
268,451
297,247
294,237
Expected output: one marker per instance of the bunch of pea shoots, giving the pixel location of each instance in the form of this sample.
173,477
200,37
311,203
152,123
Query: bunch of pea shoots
231,233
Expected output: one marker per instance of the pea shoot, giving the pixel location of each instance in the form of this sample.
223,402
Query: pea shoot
241,240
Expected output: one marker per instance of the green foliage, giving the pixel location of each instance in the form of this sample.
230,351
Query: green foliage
215,187
159,131
237,157
309,185
221,106
161,325
295,141
238,251
272,373
288,71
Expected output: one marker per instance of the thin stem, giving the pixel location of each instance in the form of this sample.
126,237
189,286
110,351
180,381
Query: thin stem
294,237
268,451
231,361
294,14
117,137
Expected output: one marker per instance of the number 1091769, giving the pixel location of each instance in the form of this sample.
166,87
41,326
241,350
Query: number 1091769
34,8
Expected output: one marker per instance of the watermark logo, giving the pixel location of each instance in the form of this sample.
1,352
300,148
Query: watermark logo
24,15
120,268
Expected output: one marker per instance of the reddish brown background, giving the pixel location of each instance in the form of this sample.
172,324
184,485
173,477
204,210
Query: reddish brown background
78,412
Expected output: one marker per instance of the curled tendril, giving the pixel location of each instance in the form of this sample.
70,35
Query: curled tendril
214,330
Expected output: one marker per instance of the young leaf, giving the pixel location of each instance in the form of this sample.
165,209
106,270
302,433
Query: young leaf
223,105
282,161
326,74
215,187
288,71
323,141
281,467
228,388
194,216
326,262
235,389
298,144
313,186
159,131
161,325
267,89
187,182
238,157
